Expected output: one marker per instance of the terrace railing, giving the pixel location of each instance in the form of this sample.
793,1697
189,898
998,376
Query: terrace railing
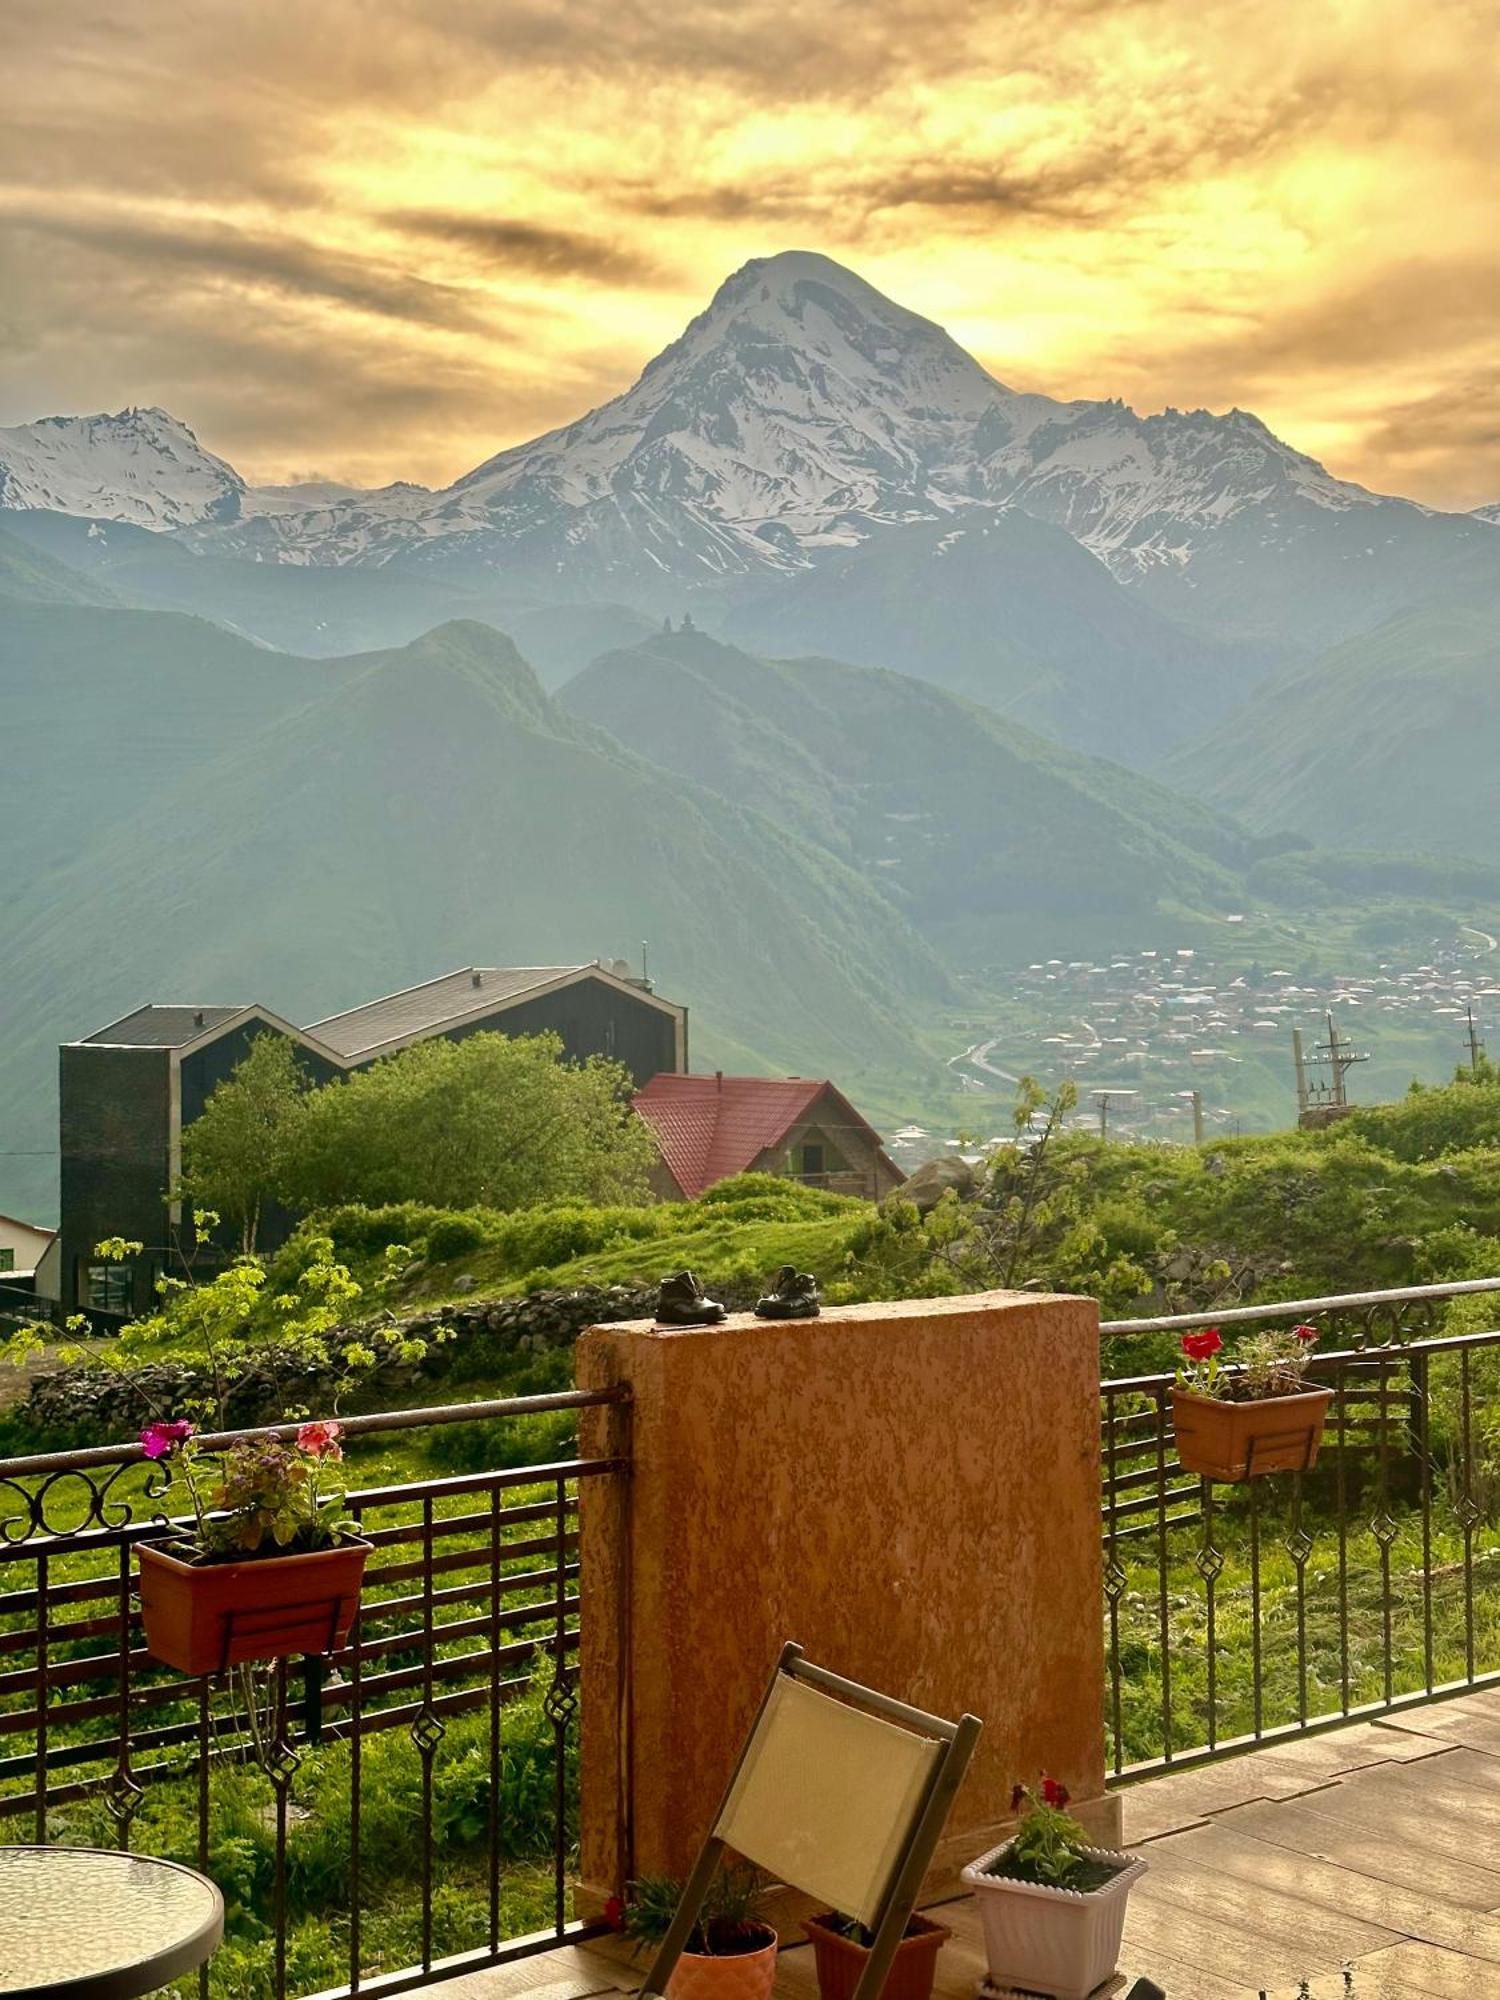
1240,1616
437,1751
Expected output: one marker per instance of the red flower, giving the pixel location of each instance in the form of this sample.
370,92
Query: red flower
1054,1794
1306,1334
321,1440
1201,1346
159,1440
614,1913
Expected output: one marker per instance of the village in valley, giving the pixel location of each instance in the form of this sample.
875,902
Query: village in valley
1143,1033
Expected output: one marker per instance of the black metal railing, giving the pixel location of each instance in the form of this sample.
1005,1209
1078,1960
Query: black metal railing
398,1813
1242,1615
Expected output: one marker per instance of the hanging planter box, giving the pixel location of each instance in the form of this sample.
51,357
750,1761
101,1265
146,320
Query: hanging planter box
841,1959
1235,1441
203,1616
1060,1942
732,1975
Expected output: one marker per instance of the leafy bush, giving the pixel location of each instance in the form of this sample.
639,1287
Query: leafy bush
453,1236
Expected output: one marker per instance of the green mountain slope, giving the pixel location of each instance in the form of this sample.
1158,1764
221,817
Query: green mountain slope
309,608
1389,741
32,576
959,816
1014,613
388,816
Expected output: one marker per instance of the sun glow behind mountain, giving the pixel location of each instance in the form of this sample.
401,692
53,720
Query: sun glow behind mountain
376,243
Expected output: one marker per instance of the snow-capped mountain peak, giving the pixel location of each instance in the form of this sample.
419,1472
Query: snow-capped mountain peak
801,413
139,465
799,398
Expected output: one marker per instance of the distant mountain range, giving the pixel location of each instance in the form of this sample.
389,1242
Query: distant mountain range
812,467
300,744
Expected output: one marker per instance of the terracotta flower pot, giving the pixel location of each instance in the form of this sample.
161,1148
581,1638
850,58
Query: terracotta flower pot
840,1960
1234,1441
1059,1942
737,1975
202,1617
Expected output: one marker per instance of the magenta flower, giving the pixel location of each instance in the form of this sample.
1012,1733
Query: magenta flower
160,1440
1306,1334
321,1440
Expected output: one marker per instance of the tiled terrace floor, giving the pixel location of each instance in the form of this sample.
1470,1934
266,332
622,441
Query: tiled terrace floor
1375,1846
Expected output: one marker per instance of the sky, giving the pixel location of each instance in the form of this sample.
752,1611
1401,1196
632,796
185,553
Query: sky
381,239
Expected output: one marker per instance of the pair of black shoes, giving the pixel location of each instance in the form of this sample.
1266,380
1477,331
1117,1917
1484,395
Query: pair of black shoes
682,1301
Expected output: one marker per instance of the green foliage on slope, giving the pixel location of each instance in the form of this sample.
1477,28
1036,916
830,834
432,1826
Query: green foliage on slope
959,816
1389,741
207,818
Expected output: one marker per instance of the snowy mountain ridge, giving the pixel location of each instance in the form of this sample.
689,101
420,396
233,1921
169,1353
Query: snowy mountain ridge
800,413
140,465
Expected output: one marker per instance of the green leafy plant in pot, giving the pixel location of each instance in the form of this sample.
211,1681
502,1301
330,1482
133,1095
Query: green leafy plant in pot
730,1953
1260,1415
271,1565
1052,1906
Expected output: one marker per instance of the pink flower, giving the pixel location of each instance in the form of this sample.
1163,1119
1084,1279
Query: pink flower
1054,1794
321,1440
1201,1346
160,1440
1306,1334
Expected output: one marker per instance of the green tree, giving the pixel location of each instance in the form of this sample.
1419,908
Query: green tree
494,1121
234,1151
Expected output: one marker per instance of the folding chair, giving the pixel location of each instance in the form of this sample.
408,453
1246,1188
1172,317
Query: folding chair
839,1792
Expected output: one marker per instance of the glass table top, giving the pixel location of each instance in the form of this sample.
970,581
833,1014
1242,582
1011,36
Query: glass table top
79,1921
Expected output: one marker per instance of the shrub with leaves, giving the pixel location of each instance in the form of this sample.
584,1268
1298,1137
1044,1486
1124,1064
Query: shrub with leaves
1049,1842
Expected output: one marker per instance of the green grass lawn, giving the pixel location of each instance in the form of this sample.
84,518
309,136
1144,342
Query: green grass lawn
1323,1646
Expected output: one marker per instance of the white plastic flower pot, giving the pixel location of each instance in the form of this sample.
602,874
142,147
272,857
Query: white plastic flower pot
1060,1942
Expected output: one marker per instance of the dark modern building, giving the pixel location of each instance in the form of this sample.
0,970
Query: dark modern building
128,1091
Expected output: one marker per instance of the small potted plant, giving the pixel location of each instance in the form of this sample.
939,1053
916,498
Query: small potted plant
1052,1907
731,1953
841,1945
1260,1416
271,1566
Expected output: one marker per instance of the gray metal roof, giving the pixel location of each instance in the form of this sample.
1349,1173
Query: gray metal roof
420,1009
163,1027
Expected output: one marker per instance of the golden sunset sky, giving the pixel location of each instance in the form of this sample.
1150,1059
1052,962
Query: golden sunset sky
379,239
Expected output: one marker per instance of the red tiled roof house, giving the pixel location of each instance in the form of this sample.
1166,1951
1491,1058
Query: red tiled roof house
709,1127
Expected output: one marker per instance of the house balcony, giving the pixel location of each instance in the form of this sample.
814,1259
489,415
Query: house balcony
1290,1691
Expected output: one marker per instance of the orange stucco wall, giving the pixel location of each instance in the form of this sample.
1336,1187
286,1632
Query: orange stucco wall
910,1491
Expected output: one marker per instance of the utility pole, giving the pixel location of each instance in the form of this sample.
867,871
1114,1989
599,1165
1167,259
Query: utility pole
1197,1117
1300,1066
1104,1098
1476,1046
1320,1103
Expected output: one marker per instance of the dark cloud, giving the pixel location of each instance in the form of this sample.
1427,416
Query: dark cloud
1458,424
219,250
528,246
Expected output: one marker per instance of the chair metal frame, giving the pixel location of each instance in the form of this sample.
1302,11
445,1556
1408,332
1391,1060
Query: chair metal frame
915,1855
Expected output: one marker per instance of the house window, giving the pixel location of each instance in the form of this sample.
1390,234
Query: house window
812,1163
107,1287
7,1260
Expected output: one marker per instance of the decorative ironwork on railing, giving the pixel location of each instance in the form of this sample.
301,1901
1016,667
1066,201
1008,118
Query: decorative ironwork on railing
1240,1615
397,1813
